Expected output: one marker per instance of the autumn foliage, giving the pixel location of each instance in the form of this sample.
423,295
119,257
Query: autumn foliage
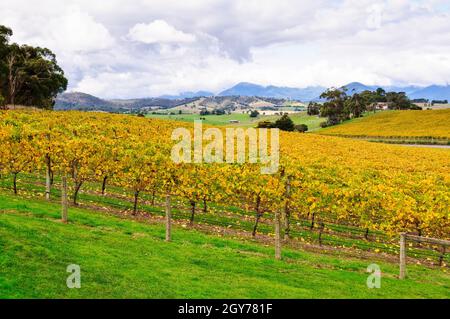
368,185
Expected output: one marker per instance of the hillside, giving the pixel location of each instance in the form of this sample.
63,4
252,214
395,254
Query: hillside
429,123
240,96
250,89
124,258
433,92
86,102
82,101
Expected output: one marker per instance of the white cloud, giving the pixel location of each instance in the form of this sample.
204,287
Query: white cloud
120,48
158,31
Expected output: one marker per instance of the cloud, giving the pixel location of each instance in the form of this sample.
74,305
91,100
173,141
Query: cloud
158,31
120,48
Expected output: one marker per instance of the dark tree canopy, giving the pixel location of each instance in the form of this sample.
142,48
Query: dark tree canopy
340,106
313,108
30,75
335,106
284,123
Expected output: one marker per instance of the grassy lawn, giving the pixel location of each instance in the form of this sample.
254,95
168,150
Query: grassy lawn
245,120
124,258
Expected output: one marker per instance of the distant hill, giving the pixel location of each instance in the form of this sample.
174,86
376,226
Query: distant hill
82,101
86,102
186,95
313,93
433,92
238,96
250,89
356,87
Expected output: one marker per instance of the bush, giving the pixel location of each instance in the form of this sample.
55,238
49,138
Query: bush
254,113
302,128
330,122
265,124
285,123
415,107
2,101
218,112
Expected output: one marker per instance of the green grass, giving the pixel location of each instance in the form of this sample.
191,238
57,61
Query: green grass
245,120
122,258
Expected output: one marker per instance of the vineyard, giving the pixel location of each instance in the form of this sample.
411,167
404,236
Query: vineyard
429,126
329,190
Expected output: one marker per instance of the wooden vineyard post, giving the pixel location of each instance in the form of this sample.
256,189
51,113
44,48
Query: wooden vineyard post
277,236
418,239
168,219
64,199
47,179
287,227
402,255
441,257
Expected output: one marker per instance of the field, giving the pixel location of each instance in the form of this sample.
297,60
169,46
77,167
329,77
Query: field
122,258
422,125
344,197
245,120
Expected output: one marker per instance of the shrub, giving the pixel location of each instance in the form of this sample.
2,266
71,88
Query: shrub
302,128
218,112
265,124
284,123
415,107
254,113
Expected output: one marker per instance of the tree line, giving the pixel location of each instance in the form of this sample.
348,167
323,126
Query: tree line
29,75
340,106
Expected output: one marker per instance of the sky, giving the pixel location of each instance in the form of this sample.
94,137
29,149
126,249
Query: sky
143,48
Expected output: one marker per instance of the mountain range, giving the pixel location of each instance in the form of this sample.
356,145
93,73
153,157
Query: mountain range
83,101
312,93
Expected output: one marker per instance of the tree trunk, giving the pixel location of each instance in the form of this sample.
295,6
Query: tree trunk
442,255
168,219
15,183
366,234
136,196
287,225
277,236
205,206
153,197
11,82
322,226
75,193
258,215
191,222
104,185
48,183
64,199
312,221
